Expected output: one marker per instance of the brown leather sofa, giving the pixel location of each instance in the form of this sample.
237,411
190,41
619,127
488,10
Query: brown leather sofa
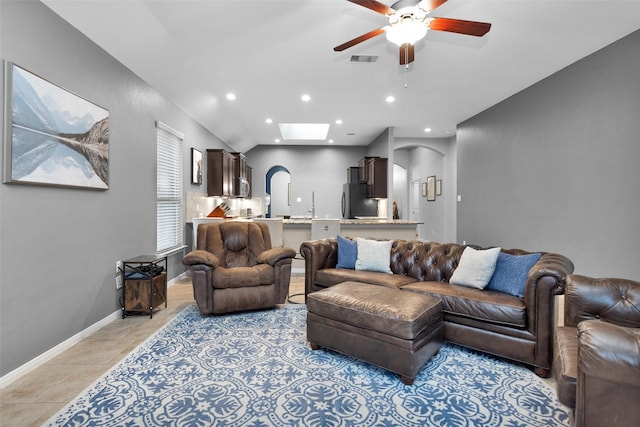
516,328
597,351
234,268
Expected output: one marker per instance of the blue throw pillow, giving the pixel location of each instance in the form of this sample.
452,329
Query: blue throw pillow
347,253
511,273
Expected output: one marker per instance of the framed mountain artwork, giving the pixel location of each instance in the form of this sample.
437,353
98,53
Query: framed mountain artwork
52,136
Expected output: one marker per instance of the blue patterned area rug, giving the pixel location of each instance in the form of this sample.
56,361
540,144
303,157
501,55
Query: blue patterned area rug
256,369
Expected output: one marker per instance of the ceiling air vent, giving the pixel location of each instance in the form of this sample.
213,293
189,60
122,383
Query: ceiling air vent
364,58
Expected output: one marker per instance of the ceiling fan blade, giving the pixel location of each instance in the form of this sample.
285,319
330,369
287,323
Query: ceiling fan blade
375,6
431,5
470,28
360,39
407,54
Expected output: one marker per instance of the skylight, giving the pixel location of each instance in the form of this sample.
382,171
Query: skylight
306,131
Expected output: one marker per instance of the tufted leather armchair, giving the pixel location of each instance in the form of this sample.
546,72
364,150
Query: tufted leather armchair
597,351
234,268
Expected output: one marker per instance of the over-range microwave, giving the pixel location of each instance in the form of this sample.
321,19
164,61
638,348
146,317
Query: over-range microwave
242,188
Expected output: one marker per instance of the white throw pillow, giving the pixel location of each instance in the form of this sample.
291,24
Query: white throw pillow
374,255
475,267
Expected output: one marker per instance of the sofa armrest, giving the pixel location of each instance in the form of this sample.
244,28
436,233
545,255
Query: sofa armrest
317,254
545,280
273,255
200,257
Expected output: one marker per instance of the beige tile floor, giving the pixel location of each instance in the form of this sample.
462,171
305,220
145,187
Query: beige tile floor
32,399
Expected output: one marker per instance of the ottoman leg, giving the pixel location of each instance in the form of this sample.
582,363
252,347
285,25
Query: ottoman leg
314,346
406,380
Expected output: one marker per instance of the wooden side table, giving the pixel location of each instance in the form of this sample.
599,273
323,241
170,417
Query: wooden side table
144,286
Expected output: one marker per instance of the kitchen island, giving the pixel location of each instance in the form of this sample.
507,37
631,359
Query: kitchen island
298,230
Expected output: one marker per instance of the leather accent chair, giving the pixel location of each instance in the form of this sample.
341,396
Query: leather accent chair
597,351
234,268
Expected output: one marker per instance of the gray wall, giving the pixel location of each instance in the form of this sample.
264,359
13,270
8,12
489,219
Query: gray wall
555,167
59,246
319,169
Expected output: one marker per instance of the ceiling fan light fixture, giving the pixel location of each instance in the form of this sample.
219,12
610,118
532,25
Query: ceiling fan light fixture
405,32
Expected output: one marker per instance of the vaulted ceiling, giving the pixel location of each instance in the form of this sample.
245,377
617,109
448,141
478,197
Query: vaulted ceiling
271,52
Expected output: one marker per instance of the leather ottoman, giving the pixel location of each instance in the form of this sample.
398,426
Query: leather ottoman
393,329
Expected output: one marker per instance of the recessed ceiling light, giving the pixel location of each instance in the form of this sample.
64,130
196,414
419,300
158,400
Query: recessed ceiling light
427,130
305,98
338,122
390,98
277,140
330,141
268,121
231,96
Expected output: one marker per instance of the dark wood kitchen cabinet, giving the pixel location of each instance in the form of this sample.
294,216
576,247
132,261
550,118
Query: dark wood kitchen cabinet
363,169
377,178
221,173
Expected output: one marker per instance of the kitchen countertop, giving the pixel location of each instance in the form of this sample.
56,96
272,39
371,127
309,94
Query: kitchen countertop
362,221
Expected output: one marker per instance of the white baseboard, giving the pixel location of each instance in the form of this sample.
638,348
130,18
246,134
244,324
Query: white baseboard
53,352
40,360
297,270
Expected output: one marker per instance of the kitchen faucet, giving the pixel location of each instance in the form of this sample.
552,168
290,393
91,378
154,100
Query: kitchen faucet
313,205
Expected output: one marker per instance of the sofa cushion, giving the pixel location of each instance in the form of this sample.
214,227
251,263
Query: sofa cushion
510,275
475,267
487,306
347,253
374,255
332,276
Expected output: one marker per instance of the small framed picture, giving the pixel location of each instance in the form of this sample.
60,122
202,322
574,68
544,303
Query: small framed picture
424,189
438,187
196,166
431,188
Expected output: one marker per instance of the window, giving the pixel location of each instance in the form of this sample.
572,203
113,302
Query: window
169,192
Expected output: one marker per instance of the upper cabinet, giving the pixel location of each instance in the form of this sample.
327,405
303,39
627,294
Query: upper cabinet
228,174
221,166
243,183
363,169
376,177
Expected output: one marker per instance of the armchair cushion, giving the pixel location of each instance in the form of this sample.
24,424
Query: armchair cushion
241,277
201,257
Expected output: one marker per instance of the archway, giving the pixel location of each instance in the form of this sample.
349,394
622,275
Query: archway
277,190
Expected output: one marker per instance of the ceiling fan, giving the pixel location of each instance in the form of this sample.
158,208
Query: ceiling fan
409,21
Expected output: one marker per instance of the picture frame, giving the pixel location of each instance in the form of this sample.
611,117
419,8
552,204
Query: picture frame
431,188
424,189
438,187
196,166
53,137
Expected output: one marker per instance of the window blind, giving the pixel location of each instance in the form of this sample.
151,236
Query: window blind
169,194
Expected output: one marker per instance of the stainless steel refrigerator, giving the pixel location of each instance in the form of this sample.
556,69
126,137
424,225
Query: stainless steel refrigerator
354,198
